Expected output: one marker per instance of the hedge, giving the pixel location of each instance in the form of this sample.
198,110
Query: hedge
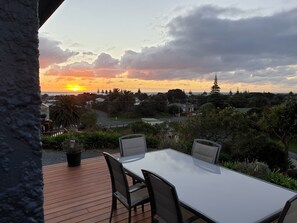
261,170
91,140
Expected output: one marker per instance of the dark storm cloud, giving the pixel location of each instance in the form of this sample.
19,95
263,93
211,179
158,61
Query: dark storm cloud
212,39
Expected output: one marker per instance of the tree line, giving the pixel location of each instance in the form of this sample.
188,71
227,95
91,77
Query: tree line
264,132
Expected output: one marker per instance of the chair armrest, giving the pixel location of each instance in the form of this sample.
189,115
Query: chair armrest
136,187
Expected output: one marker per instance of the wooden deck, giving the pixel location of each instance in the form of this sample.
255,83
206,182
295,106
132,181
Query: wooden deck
83,194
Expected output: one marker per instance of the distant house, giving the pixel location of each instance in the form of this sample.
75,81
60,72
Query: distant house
186,108
243,110
152,121
137,101
89,104
44,111
50,102
99,100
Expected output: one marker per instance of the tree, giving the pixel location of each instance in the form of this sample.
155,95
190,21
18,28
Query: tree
141,96
82,99
258,101
159,102
215,96
214,124
176,95
114,94
173,109
215,89
89,120
237,101
125,101
216,99
65,112
146,109
145,128
120,101
281,121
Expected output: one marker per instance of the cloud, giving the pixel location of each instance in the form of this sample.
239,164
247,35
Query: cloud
213,39
89,53
105,61
51,52
237,45
103,67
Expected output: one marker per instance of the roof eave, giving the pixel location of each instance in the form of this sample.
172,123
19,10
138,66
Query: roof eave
46,8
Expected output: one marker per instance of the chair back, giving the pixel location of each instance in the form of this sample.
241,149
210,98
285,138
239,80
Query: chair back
164,200
289,213
133,144
119,181
206,150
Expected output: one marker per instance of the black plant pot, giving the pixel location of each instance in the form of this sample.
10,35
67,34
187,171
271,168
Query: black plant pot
73,159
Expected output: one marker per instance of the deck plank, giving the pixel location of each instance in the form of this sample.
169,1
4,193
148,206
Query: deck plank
83,194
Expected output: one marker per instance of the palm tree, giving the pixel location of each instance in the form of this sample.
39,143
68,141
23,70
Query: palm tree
65,112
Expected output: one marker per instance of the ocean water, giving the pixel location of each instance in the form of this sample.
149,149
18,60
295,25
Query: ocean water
77,93
63,93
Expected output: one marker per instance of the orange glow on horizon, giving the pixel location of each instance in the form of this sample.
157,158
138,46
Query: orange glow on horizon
66,84
74,87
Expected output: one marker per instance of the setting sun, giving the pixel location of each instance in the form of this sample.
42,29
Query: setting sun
74,87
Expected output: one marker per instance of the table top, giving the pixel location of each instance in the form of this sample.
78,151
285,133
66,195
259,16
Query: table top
220,194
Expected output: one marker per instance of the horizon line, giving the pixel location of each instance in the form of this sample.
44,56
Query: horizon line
154,92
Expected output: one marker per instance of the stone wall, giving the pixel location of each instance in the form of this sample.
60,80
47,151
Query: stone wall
21,183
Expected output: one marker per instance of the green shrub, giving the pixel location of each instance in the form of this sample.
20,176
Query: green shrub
179,145
53,142
90,140
152,142
145,128
230,165
173,109
99,140
278,178
255,169
88,120
253,145
261,170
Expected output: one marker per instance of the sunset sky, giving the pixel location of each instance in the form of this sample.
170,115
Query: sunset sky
159,45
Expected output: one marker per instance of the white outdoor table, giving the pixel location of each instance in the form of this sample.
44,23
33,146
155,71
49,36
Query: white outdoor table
219,194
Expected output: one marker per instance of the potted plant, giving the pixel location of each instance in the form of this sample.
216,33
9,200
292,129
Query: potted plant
73,148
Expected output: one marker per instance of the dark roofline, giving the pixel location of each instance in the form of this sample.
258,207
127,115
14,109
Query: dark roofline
46,8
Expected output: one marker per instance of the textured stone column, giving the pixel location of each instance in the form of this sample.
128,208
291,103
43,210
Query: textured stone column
21,183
